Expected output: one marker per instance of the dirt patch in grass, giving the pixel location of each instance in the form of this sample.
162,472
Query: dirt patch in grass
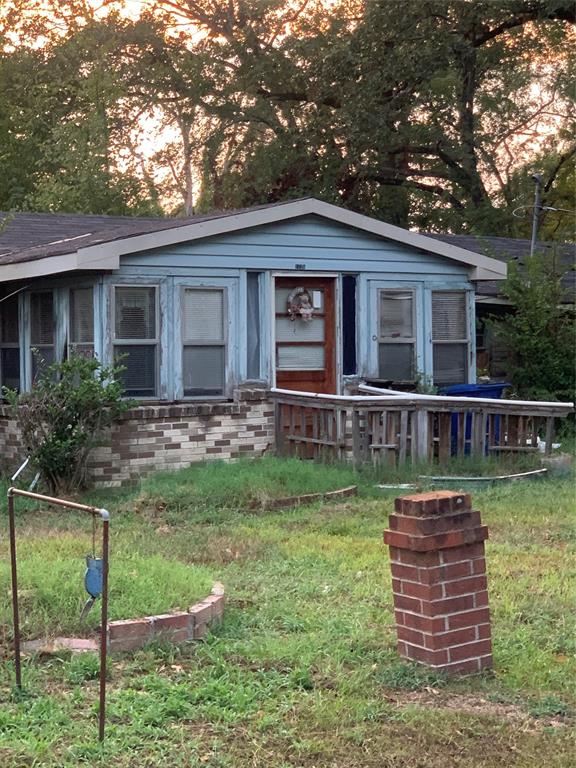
471,704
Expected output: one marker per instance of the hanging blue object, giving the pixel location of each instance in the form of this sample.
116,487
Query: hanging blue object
93,576
92,582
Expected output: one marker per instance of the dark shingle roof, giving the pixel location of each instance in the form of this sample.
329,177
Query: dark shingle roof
507,249
33,236
27,230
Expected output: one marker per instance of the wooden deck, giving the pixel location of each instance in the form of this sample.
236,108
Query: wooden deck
397,427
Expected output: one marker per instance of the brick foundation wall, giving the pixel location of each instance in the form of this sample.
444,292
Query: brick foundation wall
439,582
11,451
167,437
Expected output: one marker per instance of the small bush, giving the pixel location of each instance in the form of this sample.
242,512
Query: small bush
64,416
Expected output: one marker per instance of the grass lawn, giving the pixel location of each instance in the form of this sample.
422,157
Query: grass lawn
303,672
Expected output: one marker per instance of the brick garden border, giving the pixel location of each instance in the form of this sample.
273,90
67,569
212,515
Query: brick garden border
306,498
177,627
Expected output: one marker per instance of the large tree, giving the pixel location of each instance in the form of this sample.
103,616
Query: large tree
430,113
63,123
418,111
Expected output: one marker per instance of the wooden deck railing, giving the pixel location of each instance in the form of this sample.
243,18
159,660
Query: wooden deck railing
395,428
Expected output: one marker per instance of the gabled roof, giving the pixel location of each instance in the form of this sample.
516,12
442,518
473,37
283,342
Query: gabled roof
56,243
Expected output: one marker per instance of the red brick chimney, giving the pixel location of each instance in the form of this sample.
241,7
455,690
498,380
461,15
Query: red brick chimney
439,582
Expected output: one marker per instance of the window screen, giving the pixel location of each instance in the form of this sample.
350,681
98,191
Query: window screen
136,340
41,331
9,344
41,319
450,339
135,313
81,322
397,338
449,316
396,315
396,361
203,342
203,315
139,374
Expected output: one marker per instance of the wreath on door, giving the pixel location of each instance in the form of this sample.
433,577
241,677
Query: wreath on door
300,305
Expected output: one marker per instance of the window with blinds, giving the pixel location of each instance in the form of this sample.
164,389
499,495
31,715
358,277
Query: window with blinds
136,338
396,335
9,344
42,332
203,342
450,337
81,322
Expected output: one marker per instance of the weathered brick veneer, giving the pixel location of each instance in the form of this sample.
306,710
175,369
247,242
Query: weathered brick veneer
439,582
158,437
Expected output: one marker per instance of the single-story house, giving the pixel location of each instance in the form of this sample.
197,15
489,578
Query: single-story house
209,312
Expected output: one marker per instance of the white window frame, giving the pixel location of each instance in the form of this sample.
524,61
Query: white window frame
452,342
404,340
119,343
224,343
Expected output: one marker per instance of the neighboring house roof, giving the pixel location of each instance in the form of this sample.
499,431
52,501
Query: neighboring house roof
562,255
56,242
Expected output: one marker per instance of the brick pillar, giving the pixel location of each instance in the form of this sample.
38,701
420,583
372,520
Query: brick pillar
438,567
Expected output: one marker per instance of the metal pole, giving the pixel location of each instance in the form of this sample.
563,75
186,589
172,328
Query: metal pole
58,502
103,626
537,178
15,615
105,517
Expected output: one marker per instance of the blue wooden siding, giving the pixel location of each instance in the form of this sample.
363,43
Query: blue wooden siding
310,242
313,245
308,245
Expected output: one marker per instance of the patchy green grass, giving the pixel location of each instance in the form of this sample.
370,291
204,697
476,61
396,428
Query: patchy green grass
303,672
51,567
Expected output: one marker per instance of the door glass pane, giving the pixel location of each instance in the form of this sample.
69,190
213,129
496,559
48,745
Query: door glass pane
298,330
396,314
203,370
139,375
203,315
316,296
396,361
135,309
298,358
450,365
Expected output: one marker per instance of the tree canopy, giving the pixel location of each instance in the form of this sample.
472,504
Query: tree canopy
426,113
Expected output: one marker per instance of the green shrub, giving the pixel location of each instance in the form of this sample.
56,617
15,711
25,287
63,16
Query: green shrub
540,335
64,416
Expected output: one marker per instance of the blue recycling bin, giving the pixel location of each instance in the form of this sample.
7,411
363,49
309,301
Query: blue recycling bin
492,390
